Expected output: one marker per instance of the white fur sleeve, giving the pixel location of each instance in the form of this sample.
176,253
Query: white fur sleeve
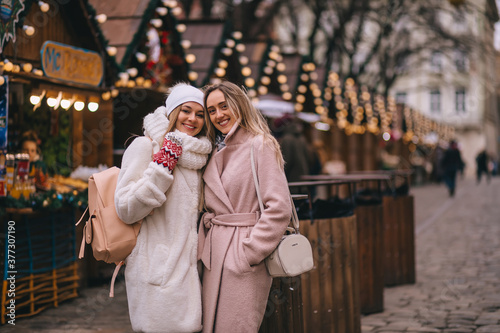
142,184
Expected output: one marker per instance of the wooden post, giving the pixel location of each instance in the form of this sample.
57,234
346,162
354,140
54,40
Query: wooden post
330,291
399,240
370,230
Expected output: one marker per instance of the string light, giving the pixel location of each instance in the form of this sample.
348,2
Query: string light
44,7
101,18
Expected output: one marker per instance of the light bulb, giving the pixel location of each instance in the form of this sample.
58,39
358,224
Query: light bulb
227,51
246,71
220,72
162,11
156,22
249,82
240,48
79,105
181,27
93,106
186,44
111,51
132,72
139,81
106,95
177,11
34,99
193,76
101,18
243,60
237,34
44,7
65,104
141,57
190,58
51,101
28,30
27,67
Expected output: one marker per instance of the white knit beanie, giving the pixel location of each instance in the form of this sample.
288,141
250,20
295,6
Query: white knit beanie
182,93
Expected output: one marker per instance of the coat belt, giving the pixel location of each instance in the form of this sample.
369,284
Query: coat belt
214,231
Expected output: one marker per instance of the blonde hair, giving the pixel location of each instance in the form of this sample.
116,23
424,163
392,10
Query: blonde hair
250,118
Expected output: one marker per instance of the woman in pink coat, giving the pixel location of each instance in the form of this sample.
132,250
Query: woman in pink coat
234,236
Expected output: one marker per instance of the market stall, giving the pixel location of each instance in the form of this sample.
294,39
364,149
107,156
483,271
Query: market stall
55,116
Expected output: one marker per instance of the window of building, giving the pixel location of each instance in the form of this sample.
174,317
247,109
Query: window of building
460,61
402,64
460,100
436,62
401,97
435,101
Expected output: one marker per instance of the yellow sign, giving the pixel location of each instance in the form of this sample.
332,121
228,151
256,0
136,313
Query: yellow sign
72,64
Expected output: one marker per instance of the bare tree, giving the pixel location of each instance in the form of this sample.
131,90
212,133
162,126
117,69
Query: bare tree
374,41
371,41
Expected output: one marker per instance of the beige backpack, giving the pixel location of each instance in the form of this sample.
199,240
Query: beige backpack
112,240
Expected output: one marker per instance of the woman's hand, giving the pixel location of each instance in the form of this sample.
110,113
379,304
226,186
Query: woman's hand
170,151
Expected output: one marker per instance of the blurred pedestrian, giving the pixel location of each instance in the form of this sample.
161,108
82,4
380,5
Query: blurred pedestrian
482,161
30,144
451,163
235,236
296,151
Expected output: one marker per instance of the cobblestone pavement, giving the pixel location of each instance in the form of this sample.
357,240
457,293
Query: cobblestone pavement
458,265
458,275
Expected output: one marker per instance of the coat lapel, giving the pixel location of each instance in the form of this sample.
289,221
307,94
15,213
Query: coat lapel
213,181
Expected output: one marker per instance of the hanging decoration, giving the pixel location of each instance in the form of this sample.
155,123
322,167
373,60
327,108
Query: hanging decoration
272,69
9,16
4,112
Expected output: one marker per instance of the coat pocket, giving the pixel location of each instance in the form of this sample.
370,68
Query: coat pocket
157,266
236,260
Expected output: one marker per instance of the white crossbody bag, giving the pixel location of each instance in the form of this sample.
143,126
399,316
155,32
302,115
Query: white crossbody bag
293,255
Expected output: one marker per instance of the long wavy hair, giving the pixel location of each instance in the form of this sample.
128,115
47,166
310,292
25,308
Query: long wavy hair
249,117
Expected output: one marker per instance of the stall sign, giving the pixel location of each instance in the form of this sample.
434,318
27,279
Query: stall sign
9,15
4,113
71,64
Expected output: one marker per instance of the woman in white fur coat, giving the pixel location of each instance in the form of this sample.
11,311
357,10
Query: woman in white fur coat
161,173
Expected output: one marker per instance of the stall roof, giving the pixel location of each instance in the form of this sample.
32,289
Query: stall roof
206,38
292,63
69,23
256,52
123,22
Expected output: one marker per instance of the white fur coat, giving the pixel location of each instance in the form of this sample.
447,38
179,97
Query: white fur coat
163,286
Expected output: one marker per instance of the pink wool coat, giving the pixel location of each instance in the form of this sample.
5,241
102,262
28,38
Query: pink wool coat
234,238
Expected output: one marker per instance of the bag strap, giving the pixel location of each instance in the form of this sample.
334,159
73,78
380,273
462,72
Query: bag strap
83,215
113,279
295,218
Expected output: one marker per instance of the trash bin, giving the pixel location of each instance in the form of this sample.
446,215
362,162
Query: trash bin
284,305
370,237
330,291
398,211
370,232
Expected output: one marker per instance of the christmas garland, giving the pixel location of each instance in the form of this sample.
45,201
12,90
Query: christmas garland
46,201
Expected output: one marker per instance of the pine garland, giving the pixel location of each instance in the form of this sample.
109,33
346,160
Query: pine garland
47,201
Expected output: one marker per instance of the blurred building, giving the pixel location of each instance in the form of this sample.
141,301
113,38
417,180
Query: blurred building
457,84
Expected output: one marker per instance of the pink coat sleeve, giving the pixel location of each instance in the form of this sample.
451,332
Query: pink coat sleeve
275,194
